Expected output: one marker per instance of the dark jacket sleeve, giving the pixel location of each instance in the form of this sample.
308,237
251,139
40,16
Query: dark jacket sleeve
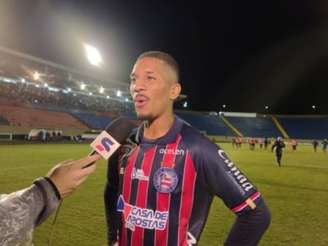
22,211
110,199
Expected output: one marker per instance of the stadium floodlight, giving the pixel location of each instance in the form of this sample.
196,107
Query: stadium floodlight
93,55
53,89
101,90
118,93
224,106
266,107
185,104
82,86
314,107
36,75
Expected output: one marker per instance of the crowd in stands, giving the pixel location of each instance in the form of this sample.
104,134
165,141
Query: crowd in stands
27,93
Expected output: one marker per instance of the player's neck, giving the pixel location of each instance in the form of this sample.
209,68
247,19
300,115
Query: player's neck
158,127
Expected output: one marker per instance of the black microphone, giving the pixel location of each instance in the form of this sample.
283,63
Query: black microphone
119,129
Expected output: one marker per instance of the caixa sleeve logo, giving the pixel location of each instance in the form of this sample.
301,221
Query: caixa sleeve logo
105,145
236,175
141,217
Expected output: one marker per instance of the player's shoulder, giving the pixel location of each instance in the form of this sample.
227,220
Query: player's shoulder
193,139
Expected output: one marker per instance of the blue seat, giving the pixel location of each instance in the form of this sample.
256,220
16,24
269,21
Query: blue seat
255,127
305,127
92,120
211,124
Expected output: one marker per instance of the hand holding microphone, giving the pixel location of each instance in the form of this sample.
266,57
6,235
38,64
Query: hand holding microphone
68,175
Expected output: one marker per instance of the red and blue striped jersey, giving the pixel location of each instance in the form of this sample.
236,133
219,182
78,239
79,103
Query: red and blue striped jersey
160,191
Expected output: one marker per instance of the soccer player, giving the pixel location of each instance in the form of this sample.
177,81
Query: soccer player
294,144
266,143
251,142
162,182
234,143
261,142
324,145
239,142
278,147
315,144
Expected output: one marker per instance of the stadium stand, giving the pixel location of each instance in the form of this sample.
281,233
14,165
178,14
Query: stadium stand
204,122
94,121
305,127
131,115
34,118
254,126
55,99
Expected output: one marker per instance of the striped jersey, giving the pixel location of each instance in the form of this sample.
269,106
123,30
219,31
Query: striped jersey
162,189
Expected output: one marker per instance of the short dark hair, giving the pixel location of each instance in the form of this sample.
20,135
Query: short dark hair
165,57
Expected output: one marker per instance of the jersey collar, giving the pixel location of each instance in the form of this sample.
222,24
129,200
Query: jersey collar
169,137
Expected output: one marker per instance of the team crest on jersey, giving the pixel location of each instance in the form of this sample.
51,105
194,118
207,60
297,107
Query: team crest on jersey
165,180
141,217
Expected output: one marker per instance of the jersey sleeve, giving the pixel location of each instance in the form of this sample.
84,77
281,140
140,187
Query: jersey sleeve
224,179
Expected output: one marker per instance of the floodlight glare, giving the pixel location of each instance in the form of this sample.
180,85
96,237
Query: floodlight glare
36,76
93,55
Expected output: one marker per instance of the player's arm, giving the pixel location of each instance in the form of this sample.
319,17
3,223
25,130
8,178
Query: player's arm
225,180
110,199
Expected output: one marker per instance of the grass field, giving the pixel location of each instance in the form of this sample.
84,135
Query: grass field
296,193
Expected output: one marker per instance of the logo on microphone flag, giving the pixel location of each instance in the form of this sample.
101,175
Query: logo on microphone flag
105,145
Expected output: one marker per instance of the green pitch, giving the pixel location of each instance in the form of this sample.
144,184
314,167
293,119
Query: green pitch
296,193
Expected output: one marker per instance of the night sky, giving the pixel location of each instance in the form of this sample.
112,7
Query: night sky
244,54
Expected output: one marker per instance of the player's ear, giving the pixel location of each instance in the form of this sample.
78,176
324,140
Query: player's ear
175,91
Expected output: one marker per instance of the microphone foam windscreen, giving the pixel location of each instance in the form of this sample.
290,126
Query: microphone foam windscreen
120,128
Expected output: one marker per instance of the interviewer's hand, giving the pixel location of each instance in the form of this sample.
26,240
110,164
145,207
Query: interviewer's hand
69,174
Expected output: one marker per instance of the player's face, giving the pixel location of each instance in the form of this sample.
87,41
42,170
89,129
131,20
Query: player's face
152,88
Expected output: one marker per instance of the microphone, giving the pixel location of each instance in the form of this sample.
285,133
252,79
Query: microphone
109,140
